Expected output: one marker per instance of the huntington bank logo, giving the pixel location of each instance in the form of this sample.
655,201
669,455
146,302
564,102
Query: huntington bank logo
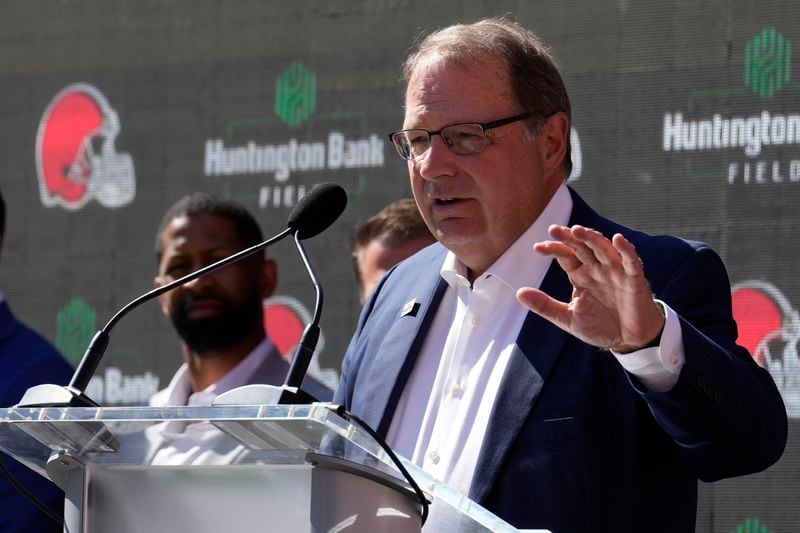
76,325
295,94
333,141
748,132
76,159
767,62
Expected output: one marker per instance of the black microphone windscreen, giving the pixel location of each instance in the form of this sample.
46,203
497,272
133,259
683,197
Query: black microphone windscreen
317,209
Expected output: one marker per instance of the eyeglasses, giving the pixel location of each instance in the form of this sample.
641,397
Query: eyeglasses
463,139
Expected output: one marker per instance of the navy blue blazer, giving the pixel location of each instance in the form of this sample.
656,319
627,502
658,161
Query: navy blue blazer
26,359
574,442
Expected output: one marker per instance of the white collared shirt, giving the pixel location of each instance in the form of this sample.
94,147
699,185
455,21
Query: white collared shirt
180,443
179,390
444,409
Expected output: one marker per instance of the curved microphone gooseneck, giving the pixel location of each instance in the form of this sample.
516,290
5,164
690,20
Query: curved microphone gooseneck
331,200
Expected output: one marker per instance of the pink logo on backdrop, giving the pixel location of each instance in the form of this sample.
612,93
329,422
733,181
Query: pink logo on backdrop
76,159
769,327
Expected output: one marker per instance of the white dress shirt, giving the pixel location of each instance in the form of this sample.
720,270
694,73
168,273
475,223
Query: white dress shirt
179,443
179,390
444,409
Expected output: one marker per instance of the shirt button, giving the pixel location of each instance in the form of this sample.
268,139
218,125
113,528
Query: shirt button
476,320
673,360
456,390
433,456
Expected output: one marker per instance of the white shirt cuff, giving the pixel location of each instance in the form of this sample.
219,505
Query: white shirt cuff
658,368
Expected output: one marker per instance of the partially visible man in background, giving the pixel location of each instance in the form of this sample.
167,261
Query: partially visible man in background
394,233
26,359
219,317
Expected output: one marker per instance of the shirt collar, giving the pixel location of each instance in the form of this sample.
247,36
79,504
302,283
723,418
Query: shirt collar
519,266
180,388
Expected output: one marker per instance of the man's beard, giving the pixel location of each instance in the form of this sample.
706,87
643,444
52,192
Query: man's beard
207,336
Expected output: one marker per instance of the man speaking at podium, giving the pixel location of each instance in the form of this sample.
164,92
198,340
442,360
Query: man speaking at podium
562,370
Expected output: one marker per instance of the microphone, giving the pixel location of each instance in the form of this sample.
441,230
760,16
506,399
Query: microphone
315,212
329,203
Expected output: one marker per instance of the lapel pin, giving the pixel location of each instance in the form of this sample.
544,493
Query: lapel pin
410,308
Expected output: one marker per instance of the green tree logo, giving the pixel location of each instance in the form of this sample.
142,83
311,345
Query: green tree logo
751,525
295,94
767,62
74,330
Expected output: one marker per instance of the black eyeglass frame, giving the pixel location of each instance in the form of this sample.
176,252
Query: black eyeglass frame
483,125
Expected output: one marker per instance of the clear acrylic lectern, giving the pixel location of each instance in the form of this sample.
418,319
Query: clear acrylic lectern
287,468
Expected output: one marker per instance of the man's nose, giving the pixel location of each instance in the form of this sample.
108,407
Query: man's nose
201,282
437,161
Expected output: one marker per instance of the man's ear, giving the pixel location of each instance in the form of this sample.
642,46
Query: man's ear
553,141
269,277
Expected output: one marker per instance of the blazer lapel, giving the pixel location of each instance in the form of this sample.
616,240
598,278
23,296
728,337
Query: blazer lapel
537,349
538,346
389,373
